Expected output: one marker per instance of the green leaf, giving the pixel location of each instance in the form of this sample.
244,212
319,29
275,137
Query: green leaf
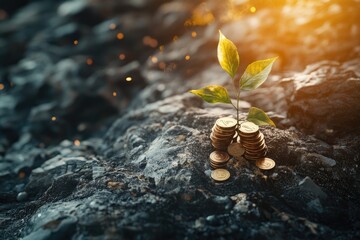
213,94
256,73
259,117
228,55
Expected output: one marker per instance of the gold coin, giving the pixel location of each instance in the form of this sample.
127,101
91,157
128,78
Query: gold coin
217,166
236,149
256,150
220,136
256,138
248,128
257,143
226,122
221,140
249,136
261,153
220,174
221,144
219,156
252,144
265,163
256,155
219,148
217,128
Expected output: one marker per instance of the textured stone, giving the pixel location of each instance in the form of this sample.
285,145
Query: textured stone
308,185
103,157
324,99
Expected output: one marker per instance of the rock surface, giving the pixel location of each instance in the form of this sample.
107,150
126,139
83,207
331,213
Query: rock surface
324,99
100,139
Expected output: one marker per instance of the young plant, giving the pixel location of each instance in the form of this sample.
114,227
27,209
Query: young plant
255,74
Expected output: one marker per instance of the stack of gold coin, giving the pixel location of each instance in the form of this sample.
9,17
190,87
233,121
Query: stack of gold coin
219,159
253,141
223,133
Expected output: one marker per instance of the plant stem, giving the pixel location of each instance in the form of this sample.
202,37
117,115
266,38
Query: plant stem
233,105
237,108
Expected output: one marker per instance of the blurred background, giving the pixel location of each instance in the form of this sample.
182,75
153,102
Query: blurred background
67,66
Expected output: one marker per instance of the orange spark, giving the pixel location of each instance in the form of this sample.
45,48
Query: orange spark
77,142
154,59
149,41
120,36
89,61
122,56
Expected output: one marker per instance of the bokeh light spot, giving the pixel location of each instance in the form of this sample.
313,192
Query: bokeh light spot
77,142
120,36
112,26
122,56
149,41
89,61
154,59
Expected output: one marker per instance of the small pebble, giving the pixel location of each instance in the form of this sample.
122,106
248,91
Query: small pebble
22,196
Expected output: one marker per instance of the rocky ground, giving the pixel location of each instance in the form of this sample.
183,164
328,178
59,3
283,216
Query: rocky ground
99,138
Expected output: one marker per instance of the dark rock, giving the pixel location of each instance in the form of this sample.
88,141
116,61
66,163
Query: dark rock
22,196
323,96
81,11
60,228
103,157
308,185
